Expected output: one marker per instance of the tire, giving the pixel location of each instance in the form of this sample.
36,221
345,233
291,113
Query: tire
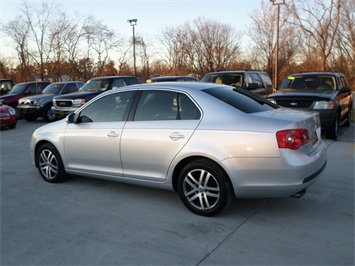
50,164
30,118
204,188
332,132
48,115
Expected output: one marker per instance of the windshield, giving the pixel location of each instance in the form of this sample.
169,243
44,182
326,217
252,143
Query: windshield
308,82
96,85
53,89
232,79
18,89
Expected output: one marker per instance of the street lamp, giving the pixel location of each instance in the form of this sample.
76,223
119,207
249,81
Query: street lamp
133,23
276,66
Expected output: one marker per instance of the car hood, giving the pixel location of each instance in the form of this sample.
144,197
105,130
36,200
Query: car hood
39,97
76,95
304,94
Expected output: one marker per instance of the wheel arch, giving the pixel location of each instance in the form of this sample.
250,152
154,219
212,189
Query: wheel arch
37,147
178,168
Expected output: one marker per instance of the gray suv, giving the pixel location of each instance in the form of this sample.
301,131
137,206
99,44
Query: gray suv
254,81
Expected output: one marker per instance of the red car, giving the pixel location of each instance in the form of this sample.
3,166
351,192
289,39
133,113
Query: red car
7,116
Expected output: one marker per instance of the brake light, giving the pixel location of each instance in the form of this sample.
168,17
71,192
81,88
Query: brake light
292,139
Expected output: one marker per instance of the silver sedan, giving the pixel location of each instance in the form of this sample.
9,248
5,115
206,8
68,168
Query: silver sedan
208,142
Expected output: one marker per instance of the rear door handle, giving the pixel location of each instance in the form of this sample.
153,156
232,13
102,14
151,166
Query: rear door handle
176,136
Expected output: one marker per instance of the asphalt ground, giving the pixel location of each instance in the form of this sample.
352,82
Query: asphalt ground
86,221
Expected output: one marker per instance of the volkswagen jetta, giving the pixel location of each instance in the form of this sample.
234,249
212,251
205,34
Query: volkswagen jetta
208,142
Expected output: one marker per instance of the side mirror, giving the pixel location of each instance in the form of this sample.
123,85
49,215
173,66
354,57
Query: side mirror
345,89
251,86
72,118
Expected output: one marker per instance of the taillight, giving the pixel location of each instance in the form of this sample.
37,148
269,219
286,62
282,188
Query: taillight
292,139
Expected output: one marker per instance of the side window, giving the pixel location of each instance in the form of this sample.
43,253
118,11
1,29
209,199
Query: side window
187,109
110,108
342,83
266,79
157,105
257,80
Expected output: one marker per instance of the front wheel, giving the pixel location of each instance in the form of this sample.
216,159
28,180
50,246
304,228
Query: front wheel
50,164
332,132
204,188
48,114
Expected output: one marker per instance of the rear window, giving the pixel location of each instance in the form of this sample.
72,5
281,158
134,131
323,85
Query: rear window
244,101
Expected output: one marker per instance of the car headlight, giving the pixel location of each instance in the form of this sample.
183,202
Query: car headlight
12,111
323,105
273,101
34,102
78,102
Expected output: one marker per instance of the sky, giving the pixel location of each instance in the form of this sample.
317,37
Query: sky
152,15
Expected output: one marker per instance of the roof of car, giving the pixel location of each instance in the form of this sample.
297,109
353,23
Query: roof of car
316,73
184,85
110,77
235,71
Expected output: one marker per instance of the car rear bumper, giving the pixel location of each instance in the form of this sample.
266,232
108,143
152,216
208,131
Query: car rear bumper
275,177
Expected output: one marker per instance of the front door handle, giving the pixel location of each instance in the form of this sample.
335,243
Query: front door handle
176,136
113,134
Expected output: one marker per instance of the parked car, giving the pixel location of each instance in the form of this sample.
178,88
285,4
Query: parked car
171,78
6,86
65,104
7,116
40,105
21,90
206,142
254,81
325,92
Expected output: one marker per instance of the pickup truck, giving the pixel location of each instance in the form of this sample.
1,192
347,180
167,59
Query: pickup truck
66,104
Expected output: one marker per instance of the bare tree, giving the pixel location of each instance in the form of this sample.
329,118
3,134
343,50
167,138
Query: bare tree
39,21
18,31
319,20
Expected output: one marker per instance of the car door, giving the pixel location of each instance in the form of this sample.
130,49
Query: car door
92,144
163,123
344,96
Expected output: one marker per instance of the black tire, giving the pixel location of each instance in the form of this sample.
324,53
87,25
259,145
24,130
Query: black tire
30,118
332,132
50,164
48,114
204,188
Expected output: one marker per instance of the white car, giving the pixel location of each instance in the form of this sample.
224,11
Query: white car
208,142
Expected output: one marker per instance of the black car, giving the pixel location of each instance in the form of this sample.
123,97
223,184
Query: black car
325,92
254,81
171,78
65,104
21,90
40,105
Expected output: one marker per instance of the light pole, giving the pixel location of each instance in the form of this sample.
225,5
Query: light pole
276,63
133,23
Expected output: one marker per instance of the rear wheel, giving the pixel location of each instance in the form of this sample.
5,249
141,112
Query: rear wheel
332,132
50,164
204,188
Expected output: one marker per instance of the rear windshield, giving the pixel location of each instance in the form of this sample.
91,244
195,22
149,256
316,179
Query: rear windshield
244,101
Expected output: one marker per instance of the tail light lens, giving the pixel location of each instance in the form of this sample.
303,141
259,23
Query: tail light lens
292,139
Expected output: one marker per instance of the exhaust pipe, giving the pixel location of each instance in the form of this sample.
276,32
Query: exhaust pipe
298,195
